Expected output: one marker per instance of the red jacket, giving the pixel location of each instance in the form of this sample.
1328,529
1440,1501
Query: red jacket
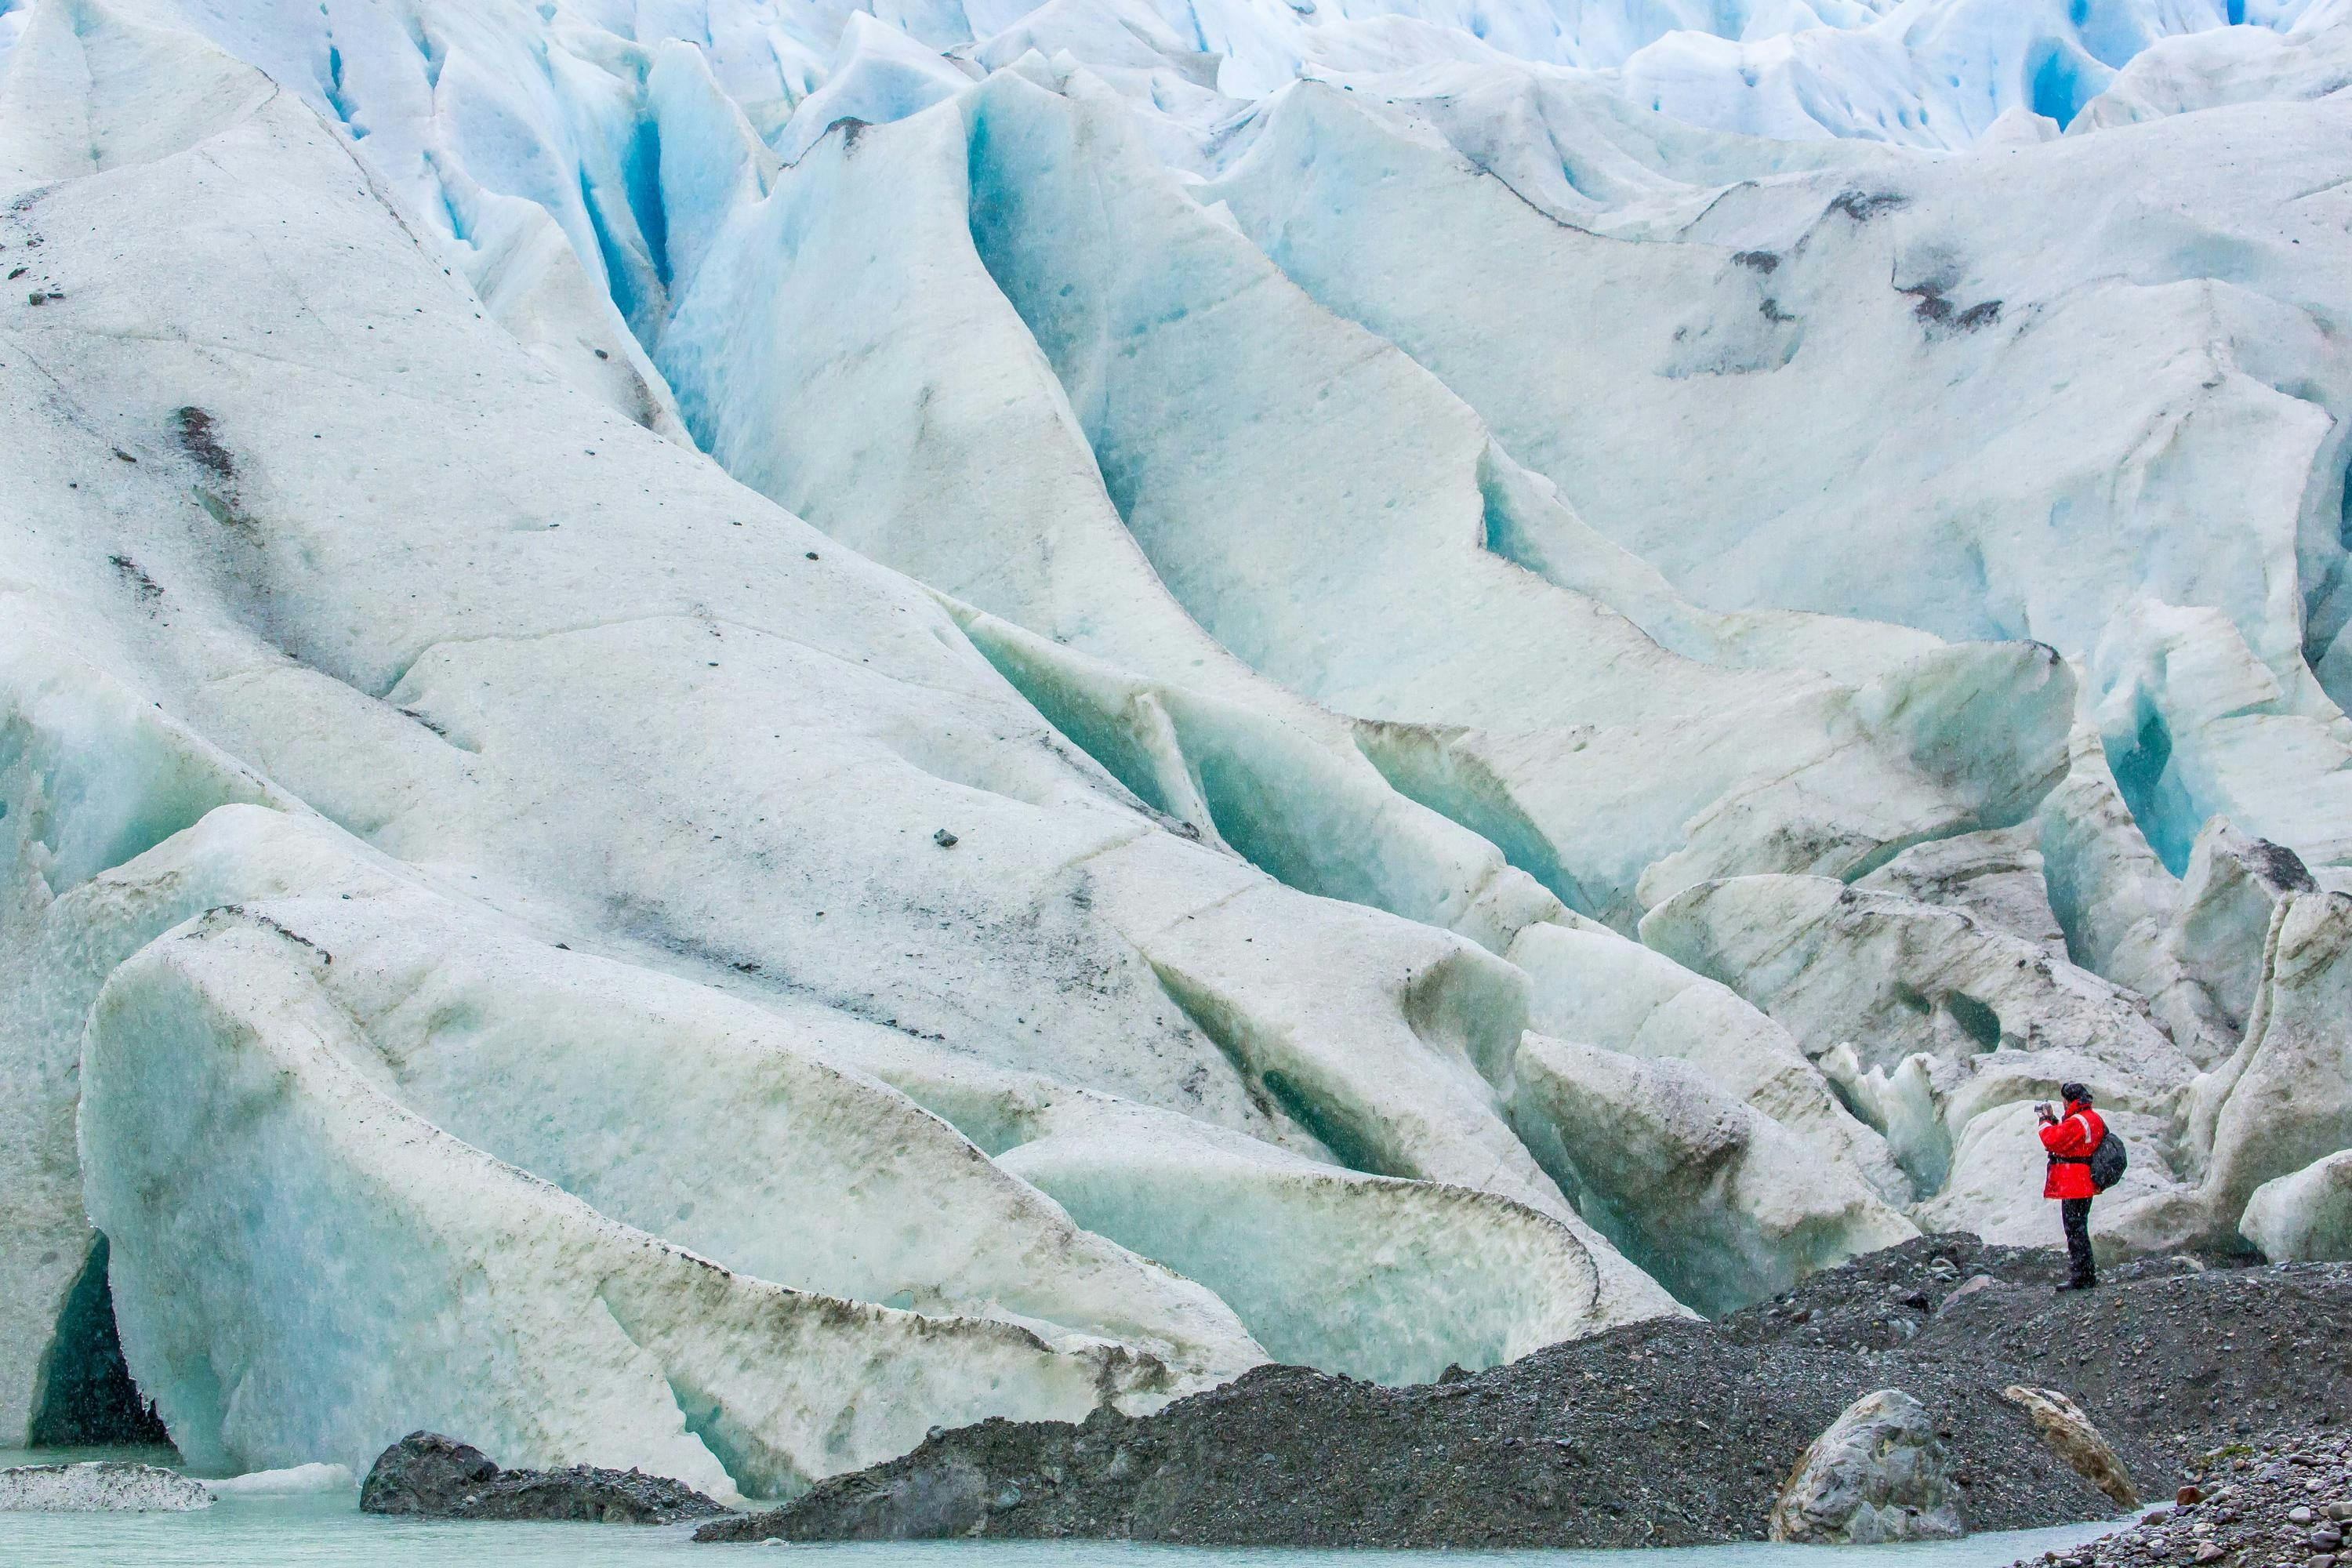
2070,1140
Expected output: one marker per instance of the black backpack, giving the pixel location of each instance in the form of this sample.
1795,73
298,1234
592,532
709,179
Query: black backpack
2109,1160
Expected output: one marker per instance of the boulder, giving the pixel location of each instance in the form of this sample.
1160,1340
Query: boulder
426,1473
104,1486
1878,1474
2072,1439
439,1478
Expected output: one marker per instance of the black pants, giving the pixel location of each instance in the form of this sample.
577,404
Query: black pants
2075,1214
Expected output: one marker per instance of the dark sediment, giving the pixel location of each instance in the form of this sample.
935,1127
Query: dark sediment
439,1478
1660,1434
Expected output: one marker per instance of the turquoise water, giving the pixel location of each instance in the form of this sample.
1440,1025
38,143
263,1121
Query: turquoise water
328,1531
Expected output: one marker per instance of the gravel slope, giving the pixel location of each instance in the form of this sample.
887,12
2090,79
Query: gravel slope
1655,1435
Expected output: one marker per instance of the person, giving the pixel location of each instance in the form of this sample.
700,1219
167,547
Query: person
2069,1138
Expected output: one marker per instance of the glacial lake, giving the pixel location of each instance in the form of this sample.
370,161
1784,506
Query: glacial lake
327,1531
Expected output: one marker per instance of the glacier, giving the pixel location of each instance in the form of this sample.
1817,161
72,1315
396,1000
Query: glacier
732,727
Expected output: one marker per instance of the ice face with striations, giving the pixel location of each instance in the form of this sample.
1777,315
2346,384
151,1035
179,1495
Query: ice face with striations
730,728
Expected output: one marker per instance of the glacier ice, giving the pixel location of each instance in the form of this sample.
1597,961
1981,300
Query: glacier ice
1368,1276
729,728
1716,1198
1830,962
1999,877
1592,987
240,1133
2306,1214
2283,1099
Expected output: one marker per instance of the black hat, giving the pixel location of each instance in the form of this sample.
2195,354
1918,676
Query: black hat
2073,1093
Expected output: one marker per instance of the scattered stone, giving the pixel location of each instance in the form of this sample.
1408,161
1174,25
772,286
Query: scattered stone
1878,1474
435,1476
1968,1288
104,1486
944,839
2248,1508
2072,1439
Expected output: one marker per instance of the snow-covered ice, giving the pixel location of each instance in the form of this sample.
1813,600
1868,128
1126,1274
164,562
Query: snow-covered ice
733,727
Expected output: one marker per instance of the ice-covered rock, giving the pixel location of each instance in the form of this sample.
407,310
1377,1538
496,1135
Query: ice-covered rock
103,1486
1877,1474
2219,940
2304,1214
